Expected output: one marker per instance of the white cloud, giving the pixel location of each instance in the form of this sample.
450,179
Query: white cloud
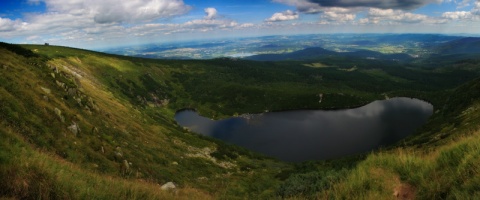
211,13
339,15
283,16
114,11
7,25
476,8
376,15
457,15
473,14
82,24
209,22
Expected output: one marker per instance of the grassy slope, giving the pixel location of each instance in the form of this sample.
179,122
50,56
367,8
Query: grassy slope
442,162
120,106
158,150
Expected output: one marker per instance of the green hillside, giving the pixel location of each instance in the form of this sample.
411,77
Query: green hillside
78,124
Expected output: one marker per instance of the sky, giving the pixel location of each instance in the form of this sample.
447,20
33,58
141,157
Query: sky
93,24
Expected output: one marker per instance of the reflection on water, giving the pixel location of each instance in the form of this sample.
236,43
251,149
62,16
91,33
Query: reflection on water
316,134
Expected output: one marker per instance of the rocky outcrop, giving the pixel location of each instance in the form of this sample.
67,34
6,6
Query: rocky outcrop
45,90
74,128
168,186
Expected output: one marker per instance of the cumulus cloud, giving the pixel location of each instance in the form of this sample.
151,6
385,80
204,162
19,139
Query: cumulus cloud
78,22
283,16
114,11
376,15
339,15
457,15
473,14
476,8
8,24
211,13
209,22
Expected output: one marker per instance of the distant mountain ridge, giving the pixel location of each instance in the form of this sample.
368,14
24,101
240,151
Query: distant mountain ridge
469,45
319,53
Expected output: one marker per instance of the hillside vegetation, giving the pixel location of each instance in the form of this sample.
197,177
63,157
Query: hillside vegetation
78,124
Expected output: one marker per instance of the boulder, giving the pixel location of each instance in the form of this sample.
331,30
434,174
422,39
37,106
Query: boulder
168,186
46,90
74,128
118,155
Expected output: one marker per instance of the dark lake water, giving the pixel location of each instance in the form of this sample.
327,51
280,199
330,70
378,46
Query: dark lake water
316,134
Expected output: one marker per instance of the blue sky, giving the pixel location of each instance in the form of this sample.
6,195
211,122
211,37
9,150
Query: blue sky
103,23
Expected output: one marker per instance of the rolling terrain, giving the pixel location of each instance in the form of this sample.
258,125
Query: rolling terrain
79,124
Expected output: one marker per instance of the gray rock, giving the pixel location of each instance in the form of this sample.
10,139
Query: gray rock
118,154
60,84
46,90
74,128
168,186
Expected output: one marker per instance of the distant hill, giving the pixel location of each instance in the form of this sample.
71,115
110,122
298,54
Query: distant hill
315,53
469,45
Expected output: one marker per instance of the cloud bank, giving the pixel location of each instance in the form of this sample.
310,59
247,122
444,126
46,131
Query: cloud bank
113,11
283,16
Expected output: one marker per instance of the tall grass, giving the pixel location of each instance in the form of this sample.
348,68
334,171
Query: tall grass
30,174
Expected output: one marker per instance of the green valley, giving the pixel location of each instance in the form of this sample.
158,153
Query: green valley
79,124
